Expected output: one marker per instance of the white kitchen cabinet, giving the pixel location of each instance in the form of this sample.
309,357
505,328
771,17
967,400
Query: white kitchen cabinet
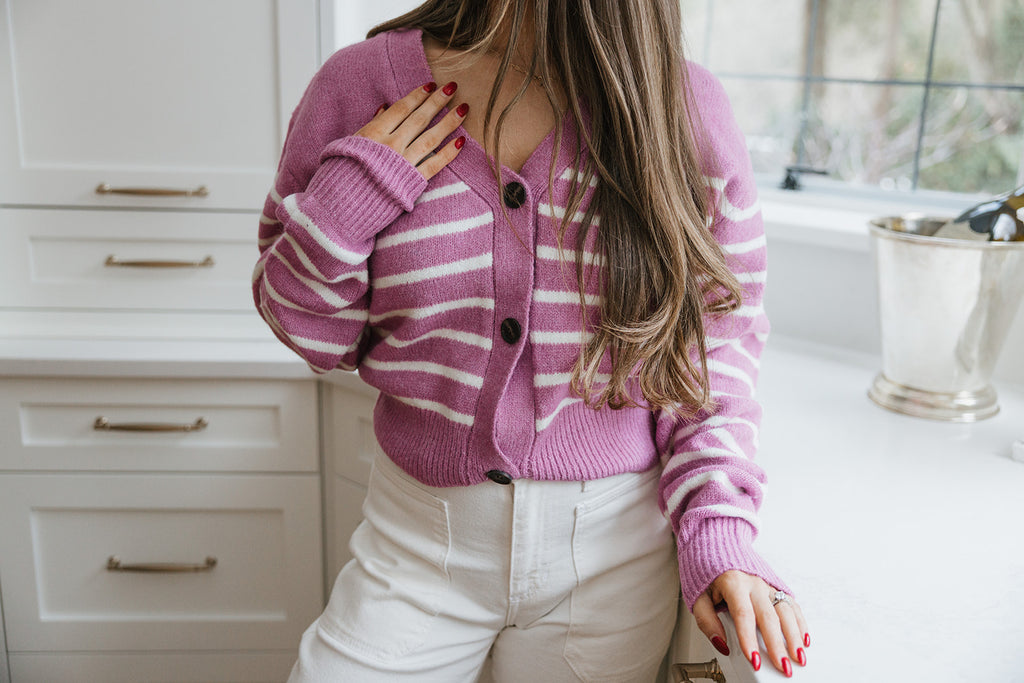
158,529
172,95
349,446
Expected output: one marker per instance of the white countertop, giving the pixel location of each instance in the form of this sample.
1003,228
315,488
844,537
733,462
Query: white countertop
900,536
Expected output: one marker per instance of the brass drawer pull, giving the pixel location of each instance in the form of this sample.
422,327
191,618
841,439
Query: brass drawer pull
681,672
114,262
104,188
114,565
102,424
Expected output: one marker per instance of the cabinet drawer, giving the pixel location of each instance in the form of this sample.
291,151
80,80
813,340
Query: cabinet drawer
127,260
158,425
120,667
259,589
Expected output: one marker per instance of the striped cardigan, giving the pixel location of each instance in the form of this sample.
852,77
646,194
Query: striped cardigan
469,324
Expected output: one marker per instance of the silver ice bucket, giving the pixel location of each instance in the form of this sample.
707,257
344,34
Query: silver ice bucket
945,306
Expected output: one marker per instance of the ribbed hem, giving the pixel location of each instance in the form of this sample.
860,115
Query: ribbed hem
425,444
362,186
721,544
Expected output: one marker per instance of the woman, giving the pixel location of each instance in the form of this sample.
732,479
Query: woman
559,299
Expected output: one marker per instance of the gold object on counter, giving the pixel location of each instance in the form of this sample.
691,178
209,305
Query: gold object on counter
681,672
114,565
102,424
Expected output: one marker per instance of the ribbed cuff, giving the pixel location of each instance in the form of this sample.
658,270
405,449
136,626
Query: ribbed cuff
363,186
721,544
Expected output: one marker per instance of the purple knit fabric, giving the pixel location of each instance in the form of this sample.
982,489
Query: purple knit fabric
366,265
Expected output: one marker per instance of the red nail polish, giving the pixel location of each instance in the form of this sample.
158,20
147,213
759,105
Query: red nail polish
460,141
801,656
755,660
462,110
430,87
450,88
807,640
787,668
720,645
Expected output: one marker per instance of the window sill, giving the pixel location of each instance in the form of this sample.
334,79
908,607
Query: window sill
838,221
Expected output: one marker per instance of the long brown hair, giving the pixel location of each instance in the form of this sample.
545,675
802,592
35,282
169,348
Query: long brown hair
623,60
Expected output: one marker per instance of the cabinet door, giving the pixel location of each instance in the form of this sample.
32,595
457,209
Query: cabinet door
159,563
168,94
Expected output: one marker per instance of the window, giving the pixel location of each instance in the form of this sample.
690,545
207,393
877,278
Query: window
897,95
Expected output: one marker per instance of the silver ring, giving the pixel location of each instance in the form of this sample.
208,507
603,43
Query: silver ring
779,596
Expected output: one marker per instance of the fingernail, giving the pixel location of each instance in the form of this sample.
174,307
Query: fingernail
450,88
460,141
807,640
379,109
801,656
720,645
430,87
463,109
755,660
787,668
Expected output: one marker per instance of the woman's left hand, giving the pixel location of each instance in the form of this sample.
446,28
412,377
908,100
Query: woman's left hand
749,600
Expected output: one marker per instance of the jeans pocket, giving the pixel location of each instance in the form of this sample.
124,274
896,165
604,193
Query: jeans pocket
623,608
386,598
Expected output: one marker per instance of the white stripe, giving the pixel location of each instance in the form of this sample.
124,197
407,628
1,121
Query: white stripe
577,175
359,274
698,480
267,241
723,436
274,195
573,338
323,346
464,225
544,423
729,210
685,457
752,277
727,370
317,288
545,296
306,223
714,422
715,183
568,255
723,510
441,333
736,345
435,309
439,408
429,368
440,192
443,270
745,247
551,379
338,303
736,214
558,212
749,311
266,220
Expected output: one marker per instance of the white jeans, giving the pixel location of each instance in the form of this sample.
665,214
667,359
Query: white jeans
556,581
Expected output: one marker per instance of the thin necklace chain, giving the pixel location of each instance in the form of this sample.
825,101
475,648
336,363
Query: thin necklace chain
518,68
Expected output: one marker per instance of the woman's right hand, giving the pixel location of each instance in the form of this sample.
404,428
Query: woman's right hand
403,127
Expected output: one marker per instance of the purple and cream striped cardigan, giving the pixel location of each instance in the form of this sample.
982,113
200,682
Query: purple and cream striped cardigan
470,327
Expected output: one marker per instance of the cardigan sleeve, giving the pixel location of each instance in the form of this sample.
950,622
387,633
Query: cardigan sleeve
711,488
332,194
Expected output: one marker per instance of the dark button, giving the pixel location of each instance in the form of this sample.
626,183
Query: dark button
499,477
514,195
510,330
